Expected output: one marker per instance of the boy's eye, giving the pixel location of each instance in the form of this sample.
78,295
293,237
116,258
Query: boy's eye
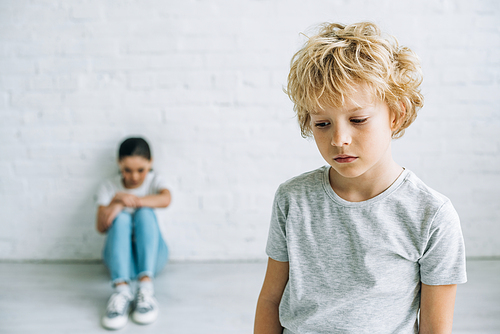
321,124
358,120
127,170
141,170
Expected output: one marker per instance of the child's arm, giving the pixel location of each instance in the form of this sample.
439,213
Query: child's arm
437,303
106,215
267,314
160,200
126,199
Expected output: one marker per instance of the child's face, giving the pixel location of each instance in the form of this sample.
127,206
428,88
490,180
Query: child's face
355,139
134,170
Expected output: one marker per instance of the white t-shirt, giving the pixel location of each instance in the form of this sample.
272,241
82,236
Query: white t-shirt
152,185
356,267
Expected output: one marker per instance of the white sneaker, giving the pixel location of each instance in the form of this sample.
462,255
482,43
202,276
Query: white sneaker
146,307
117,310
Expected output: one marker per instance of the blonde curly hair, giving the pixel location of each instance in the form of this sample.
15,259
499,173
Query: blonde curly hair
326,70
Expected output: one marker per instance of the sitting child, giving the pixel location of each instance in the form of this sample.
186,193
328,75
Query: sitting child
134,245
361,245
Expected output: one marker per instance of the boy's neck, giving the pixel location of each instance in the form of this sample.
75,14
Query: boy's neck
367,185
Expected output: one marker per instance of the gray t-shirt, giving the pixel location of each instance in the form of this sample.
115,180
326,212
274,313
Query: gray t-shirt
356,267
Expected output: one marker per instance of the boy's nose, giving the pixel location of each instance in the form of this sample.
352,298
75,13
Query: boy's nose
340,136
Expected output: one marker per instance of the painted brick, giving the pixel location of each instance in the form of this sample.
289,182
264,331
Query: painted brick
17,66
202,81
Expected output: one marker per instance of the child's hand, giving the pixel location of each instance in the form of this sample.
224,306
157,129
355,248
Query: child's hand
127,200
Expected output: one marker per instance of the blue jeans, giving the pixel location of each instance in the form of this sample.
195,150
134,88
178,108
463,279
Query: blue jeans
134,246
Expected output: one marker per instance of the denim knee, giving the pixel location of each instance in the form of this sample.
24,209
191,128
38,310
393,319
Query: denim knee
144,214
122,221
144,211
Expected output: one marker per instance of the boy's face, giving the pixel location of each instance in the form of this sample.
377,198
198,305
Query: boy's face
355,139
134,170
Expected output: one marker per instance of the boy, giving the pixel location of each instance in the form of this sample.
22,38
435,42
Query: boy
361,245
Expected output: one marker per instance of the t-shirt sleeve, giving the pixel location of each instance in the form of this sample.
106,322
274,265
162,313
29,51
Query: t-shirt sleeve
276,243
105,194
443,261
158,184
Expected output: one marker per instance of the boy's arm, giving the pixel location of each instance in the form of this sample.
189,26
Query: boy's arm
267,314
437,303
160,200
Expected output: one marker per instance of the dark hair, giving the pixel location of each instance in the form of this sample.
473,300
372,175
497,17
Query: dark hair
134,147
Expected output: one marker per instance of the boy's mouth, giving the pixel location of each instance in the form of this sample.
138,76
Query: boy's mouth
343,158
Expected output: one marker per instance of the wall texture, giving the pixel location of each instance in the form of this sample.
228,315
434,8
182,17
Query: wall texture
202,80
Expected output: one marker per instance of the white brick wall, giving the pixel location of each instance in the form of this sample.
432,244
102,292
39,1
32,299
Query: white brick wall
202,80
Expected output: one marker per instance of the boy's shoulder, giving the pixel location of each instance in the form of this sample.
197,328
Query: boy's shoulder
303,183
409,190
417,199
416,188
305,178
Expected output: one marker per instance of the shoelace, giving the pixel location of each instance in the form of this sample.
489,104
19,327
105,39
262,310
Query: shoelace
144,301
117,303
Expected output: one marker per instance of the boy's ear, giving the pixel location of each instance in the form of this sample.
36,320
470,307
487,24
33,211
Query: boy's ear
398,116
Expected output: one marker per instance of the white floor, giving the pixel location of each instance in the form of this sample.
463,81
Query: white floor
208,298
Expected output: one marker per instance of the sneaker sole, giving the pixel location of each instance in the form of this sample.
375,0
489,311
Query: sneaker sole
114,324
144,319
